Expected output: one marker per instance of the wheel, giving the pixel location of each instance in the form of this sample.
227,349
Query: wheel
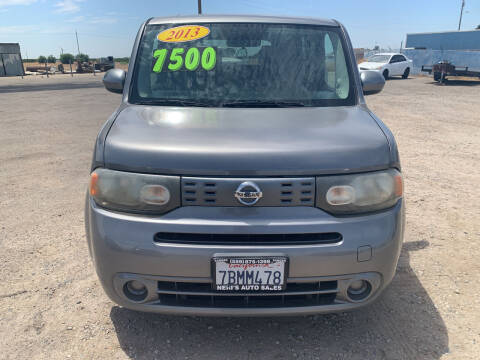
440,77
443,79
385,74
406,73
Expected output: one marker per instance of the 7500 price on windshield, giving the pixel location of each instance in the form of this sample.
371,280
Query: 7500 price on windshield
179,58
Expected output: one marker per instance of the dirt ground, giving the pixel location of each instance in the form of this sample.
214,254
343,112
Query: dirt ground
51,303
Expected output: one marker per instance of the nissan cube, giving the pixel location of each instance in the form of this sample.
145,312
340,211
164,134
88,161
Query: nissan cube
243,174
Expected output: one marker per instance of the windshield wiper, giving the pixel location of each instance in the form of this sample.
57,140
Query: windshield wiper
261,103
237,103
174,102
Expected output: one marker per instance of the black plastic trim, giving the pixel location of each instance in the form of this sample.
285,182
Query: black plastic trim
248,239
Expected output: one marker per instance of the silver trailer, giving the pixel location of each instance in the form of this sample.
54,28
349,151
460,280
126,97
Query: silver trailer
10,60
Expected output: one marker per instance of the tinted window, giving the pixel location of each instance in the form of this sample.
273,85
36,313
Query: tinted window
397,58
296,65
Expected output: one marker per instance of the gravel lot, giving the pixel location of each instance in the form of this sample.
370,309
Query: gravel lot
51,303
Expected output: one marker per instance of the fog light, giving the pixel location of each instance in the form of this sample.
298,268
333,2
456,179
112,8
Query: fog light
135,290
358,290
357,285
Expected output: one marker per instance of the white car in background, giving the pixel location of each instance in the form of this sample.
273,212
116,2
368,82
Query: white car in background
389,64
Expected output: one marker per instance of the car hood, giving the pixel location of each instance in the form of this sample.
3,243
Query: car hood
371,65
246,142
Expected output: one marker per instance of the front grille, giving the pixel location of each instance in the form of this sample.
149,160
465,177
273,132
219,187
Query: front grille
248,239
220,191
202,295
196,192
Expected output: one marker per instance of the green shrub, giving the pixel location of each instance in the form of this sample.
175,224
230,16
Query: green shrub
124,60
42,59
66,58
82,57
51,59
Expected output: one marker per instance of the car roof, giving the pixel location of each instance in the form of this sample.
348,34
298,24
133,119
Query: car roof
389,54
242,19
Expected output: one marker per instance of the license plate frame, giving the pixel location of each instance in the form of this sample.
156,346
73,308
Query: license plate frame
256,263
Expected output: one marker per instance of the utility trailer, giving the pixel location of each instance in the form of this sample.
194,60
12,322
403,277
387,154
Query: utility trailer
442,69
105,64
85,67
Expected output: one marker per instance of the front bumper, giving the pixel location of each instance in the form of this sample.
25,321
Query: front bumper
122,247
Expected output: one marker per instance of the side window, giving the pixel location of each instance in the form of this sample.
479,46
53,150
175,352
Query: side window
397,59
329,62
336,67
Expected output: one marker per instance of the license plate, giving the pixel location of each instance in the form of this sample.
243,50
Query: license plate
244,274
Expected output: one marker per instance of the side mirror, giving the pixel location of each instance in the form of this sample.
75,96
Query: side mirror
114,80
372,81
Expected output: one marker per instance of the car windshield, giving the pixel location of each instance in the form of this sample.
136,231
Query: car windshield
379,58
242,65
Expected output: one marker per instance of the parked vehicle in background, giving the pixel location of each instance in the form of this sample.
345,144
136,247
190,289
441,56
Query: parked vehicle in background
444,68
84,67
105,63
389,64
243,173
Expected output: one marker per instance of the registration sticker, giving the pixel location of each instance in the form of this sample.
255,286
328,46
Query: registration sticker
183,33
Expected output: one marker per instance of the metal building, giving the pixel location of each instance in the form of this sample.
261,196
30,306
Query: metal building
448,40
10,60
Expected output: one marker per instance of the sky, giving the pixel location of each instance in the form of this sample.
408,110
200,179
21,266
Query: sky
44,27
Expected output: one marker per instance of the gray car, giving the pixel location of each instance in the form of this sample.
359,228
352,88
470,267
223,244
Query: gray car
243,174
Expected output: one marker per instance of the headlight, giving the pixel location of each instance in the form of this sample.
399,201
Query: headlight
124,191
351,194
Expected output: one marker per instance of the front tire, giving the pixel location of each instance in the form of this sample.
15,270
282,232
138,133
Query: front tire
406,73
385,74
440,77
443,79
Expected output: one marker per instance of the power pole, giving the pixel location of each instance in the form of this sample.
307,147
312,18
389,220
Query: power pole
461,14
78,46
199,7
